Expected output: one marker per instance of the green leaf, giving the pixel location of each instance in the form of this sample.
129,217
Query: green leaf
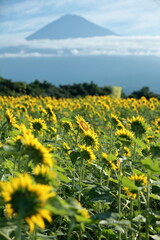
60,207
155,237
74,155
155,196
82,219
128,183
105,216
140,143
99,193
4,237
151,165
63,177
111,157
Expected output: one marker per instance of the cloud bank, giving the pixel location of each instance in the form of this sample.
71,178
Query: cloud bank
94,46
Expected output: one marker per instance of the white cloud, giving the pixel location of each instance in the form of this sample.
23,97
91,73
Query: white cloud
109,46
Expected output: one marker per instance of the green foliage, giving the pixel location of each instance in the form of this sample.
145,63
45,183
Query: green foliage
37,88
144,92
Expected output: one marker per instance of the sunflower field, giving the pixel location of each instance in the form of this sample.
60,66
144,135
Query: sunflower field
79,169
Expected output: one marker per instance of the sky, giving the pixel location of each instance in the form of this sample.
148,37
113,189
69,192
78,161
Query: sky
137,22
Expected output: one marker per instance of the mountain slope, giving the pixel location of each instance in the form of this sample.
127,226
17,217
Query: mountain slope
70,26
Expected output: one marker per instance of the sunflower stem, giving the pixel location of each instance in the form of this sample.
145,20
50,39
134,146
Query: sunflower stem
119,193
80,179
139,209
147,209
131,217
19,227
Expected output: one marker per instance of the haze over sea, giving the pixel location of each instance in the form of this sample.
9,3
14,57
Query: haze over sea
132,73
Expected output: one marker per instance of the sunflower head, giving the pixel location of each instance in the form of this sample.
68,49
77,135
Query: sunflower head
86,153
90,138
10,118
140,180
138,125
156,122
67,125
114,120
124,136
104,157
26,199
38,124
82,124
132,194
124,152
155,150
44,174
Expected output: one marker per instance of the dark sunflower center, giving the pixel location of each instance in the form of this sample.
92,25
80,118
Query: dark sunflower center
89,140
37,126
24,202
138,127
35,154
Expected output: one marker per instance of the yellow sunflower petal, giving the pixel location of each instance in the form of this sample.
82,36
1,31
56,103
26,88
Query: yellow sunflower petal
30,223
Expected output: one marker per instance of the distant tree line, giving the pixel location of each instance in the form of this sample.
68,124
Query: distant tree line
37,88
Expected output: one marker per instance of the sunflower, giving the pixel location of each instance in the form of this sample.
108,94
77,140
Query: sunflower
140,180
87,153
90,138
110,163
125,151
38,124
104,156
138,125
130,193
114,120
51,114
124,136
39,153
156,122
36,151
82,124
155,150
10,118
67,125
44,174
26,199
82,211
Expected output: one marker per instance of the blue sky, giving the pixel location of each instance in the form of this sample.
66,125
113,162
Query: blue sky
20,18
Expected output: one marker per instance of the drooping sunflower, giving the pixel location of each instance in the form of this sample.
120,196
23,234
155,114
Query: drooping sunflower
156,122
125,136
130,193
82,124
38,124
87,153
138,125
108,162
10,118
26,199
114,120
125,151
90,138
35,150
82,211
67,125
44,174
140,180
39,153
51,113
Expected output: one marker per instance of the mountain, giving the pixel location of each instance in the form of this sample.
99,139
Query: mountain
82,59
70,26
